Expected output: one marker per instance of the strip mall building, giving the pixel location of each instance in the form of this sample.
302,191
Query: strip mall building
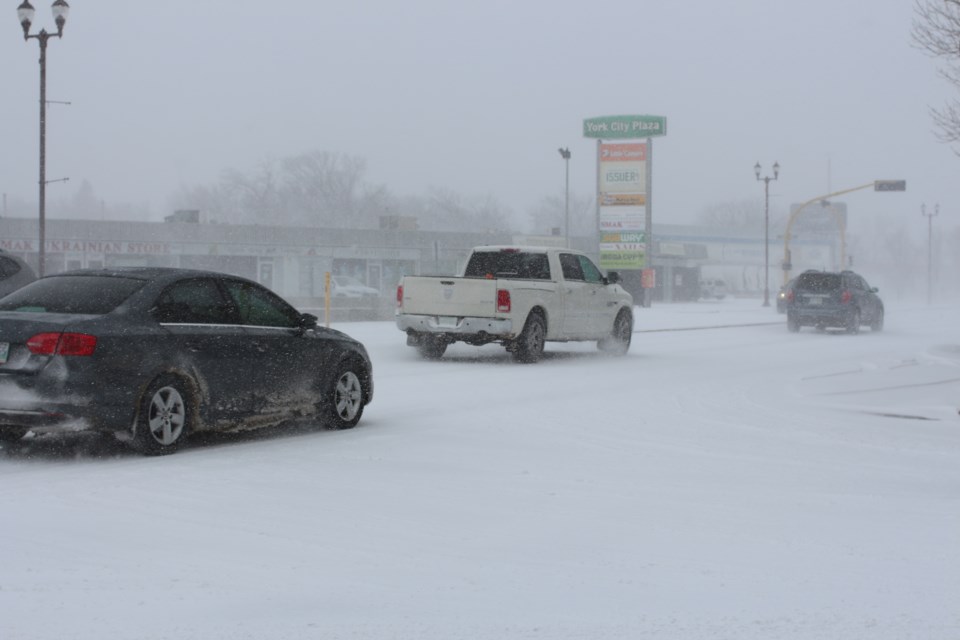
294,261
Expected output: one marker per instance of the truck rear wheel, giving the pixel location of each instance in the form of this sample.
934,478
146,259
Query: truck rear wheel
529,344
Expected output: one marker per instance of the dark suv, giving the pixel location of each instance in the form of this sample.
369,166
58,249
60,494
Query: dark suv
14,273
830,299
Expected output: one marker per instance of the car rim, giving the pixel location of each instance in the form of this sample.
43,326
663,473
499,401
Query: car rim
623,330
349,396
167,415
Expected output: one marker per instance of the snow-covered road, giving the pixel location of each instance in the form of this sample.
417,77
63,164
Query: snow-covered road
734,482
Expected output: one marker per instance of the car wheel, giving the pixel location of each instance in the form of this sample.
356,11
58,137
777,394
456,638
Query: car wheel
12,434
164,417
853,322
431,347
793,323
529,344
343,398
877,324
618,342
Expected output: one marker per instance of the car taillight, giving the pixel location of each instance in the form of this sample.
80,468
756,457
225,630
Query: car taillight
846,297
62,344
399,295
503,301
790,296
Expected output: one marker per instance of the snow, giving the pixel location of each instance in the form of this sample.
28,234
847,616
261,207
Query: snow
733,482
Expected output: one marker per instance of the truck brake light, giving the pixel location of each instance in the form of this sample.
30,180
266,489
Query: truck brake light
503,300
399,295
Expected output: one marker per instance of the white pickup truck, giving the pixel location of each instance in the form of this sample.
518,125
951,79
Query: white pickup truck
520,297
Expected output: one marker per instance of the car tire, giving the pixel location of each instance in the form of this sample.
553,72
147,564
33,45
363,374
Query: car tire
431,347
852,324
343,399
164,417
877,324
618,342
793,323
528,347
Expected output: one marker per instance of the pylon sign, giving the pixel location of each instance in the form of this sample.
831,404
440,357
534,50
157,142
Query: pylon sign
623,186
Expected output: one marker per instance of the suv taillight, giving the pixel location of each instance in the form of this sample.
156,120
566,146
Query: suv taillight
62,344
791,296
846,297
503,301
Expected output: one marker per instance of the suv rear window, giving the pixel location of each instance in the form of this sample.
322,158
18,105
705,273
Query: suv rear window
93,295
818,282
508,264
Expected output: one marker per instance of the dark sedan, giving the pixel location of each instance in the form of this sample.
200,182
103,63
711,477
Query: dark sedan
154,354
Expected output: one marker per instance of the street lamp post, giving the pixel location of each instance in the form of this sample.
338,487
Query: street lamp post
565,154
25,13
766,227
929,217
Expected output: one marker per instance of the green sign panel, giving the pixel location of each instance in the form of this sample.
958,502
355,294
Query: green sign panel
625,127
621,259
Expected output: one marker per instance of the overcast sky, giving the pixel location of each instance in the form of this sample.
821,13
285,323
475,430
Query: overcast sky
477,96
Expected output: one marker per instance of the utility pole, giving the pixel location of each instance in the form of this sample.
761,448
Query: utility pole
565,154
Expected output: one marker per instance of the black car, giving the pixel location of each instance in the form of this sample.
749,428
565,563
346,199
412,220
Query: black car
154,354
14,273
824,299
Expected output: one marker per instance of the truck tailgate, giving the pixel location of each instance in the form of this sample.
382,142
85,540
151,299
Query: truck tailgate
447,296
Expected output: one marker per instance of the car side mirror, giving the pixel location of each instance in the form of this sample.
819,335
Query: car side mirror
875,289
308,321
613,277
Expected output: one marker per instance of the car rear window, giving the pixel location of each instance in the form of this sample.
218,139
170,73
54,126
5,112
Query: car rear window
508,264
88,294
818,282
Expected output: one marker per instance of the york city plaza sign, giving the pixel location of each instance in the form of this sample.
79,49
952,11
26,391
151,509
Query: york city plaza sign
626,127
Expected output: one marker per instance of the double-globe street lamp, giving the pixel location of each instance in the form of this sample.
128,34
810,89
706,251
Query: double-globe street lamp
25,13
766,227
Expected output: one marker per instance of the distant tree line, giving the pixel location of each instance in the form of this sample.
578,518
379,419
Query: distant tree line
330,190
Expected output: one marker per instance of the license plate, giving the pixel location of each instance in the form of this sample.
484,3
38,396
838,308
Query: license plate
815,301
4,351
447,321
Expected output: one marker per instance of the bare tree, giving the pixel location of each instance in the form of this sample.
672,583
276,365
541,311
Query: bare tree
257,196
326,186
936,30
551,213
